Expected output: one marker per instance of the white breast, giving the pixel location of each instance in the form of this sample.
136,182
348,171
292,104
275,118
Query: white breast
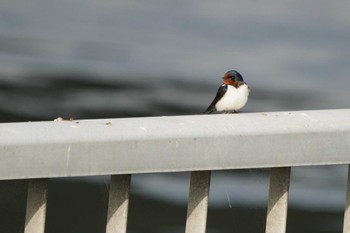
234,99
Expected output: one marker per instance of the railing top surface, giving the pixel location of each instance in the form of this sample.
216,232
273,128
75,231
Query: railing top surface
176,143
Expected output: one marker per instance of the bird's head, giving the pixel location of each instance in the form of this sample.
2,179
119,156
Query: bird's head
232,77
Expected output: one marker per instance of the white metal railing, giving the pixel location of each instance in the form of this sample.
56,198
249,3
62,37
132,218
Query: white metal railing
122,147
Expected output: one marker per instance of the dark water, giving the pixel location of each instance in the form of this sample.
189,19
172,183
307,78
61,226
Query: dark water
83,60
37,97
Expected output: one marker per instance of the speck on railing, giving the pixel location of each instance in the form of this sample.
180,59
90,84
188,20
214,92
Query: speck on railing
200,144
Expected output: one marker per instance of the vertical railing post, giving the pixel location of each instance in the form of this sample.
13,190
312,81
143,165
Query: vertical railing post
36,206
276,221
118,204
346,226
197,208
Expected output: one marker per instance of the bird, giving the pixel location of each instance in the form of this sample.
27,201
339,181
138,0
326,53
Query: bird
231,96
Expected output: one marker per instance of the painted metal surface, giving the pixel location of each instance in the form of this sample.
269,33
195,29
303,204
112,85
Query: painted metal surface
177,143
276,221
118,204
197,208
36,206
346,226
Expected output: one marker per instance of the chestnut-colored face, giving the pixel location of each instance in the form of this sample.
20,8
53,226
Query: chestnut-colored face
233,78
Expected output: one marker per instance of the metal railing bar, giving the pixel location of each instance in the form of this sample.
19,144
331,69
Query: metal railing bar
36,206
118,204
276,220
156,142
197,208
346,226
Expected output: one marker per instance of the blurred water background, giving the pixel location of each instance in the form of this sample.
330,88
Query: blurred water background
109,59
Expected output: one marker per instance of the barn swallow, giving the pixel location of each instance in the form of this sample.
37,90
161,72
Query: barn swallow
231,96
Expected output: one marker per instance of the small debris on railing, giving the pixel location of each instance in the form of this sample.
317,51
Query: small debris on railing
61,119
109,123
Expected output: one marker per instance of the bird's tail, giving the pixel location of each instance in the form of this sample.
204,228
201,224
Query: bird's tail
209,110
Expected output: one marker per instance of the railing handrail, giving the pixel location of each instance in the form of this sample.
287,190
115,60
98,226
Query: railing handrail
171,144
122,147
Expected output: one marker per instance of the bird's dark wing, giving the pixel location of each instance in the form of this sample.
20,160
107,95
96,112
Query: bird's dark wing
221,91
